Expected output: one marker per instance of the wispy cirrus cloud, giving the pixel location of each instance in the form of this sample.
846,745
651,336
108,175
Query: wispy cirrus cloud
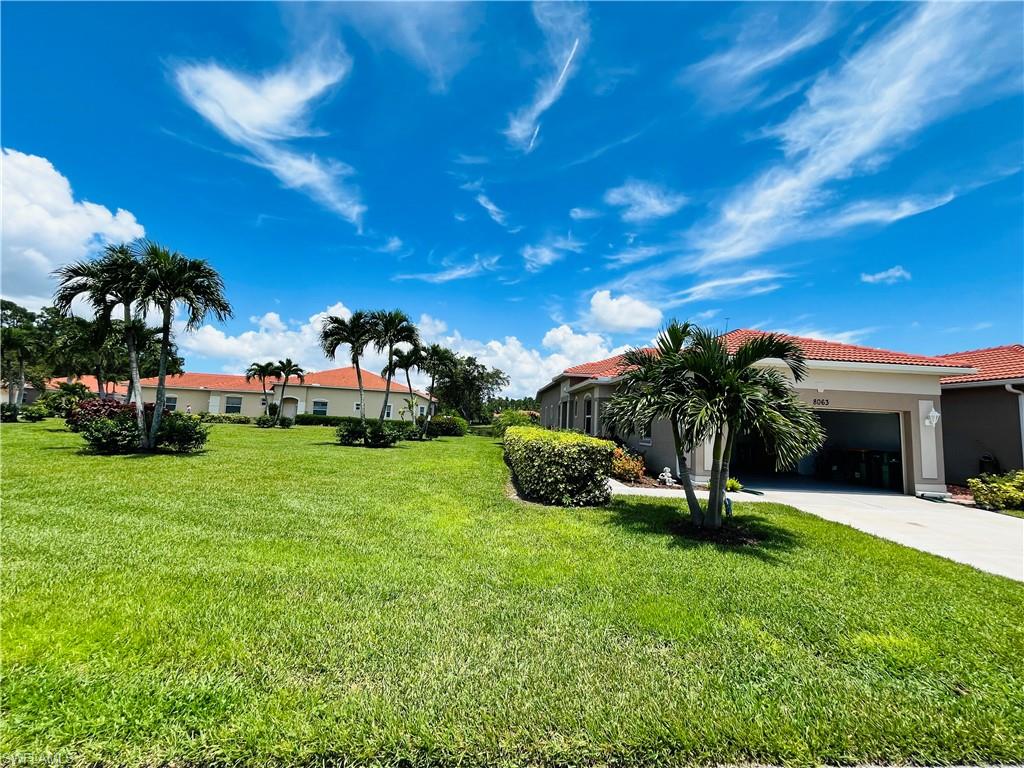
478,266
566,32
642,201
735,77
855,119
547,252
581,214
262,113
497,215
889,276
754,282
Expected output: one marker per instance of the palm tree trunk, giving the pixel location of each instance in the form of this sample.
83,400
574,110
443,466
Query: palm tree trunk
99,383
359,380
387,387
280,403
412,397
692,502
430,403
713,518
134,384
730,441
21,381
161,389
266,399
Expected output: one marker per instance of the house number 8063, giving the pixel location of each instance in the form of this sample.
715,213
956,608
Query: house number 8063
820,401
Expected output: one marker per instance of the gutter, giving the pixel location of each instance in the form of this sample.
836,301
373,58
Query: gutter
1020,411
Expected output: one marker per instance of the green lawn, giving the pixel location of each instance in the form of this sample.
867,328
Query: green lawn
280,598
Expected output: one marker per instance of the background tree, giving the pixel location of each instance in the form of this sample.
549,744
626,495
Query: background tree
466,384
435,361
391,329
499,404
169,278
356,332
288,369
261,372
405,360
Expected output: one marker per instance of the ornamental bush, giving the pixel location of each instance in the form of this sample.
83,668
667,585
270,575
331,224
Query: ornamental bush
502,421
8,412
564,468
34,412
998,491
350,431
95,408
285,422
182,433
264,422
627,466
112,434
224,418
64,399
447,426
382,434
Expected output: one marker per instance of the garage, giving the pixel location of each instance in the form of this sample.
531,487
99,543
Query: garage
862,449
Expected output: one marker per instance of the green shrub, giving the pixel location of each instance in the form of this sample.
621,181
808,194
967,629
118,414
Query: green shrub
351,431
447,426
264,422
8,412
998,491
285,422
563,468
182,432
733,485
64,399
312,420
627,466
272,409
382,434
34,412
224,418
406,430
502,421
117,433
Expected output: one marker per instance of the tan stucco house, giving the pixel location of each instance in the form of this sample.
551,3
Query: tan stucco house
334,392
881,410
983,412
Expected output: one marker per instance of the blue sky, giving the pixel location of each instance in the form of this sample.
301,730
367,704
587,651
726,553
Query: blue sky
537,184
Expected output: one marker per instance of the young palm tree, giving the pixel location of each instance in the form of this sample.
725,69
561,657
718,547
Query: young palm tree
654,386
406,360
23,345
391,329
357,332
261,372
288,369
169,278
735,394
435,360
114,279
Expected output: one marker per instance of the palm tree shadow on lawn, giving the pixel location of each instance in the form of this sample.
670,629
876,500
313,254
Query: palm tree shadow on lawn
749,534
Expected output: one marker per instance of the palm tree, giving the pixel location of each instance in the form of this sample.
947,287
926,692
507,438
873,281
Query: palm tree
405,360
357,332
653,386
731,394
435,360
169,278
288,369
23,344
261,372
114,279
391,329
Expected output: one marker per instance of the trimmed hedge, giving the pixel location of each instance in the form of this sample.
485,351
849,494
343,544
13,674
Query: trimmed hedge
998,492
564,468
447,426
312,420
224,418
502,421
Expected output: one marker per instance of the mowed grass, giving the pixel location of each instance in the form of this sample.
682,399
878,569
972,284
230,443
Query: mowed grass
279,599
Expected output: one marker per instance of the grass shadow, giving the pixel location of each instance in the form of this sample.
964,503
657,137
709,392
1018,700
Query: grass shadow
748,533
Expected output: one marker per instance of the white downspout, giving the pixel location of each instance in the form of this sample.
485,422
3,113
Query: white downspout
1020,411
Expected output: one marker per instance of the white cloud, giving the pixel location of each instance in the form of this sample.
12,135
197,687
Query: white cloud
643,201
732,78
44,227
566,31
549,251
886,277
635,254
393,245
853,336
477,266
435,36
262,113
431,329
881,212
464,159
751,283
621,314
579,214
933,60
496,214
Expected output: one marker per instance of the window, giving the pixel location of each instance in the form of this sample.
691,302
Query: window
387,413
319,407
423,410
588,416
171,403
645,436
355,407
233,404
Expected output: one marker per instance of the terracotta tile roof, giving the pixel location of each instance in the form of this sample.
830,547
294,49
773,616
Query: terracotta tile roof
342,378
345,378
993,364
224,381
814,349
113,387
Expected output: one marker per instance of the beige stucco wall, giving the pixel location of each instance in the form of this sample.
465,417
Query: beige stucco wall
209,400
341,402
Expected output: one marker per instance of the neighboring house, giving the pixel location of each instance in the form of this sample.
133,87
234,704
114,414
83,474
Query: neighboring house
983,413
881,412
325,393
112,388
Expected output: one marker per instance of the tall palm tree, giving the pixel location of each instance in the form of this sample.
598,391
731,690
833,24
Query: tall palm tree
112,280
357,332
406,360
435,360
391,329
261,372
23,344
654,386
169,278
287,369
731,394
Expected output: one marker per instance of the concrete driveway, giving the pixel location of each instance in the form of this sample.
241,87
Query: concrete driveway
986,540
